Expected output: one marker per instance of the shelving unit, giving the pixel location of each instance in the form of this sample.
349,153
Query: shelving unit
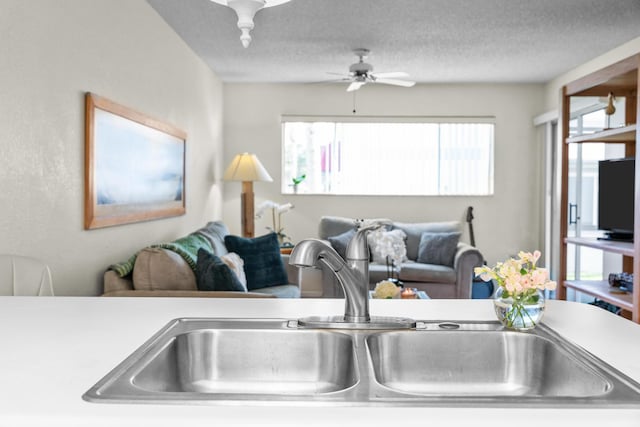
622,248
621,78
626,134
600,290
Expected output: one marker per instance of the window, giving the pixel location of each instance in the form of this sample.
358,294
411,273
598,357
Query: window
412,158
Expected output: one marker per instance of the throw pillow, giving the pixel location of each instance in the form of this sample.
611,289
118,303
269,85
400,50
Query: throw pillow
385,244
341,241
262,261
438,248
414,233
212,274
236,265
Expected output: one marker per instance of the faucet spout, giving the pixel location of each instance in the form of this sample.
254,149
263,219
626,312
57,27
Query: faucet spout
354,282
308,252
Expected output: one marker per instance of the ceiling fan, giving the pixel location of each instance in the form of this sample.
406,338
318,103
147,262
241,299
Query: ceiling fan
362,73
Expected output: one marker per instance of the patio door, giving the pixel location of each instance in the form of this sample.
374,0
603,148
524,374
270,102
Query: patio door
583,263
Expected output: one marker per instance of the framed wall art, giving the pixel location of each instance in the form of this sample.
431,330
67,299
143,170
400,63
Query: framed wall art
134,166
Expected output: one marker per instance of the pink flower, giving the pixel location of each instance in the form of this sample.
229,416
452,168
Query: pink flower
520,275
528,257
539,277
536,257
485,273
550,285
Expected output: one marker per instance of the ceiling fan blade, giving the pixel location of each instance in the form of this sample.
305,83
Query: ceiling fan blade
390,75
394,82
355,86
336,74
330,81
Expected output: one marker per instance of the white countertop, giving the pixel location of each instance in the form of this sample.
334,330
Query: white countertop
55,348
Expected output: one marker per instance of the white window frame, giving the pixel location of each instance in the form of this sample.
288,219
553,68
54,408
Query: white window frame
287,188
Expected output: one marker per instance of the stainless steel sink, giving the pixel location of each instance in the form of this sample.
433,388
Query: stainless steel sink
481,363
216,361
251,361
207,360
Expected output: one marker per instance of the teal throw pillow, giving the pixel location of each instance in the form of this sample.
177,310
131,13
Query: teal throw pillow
438,248
263,264
212,274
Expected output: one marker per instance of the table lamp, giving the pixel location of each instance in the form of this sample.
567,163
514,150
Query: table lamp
247,168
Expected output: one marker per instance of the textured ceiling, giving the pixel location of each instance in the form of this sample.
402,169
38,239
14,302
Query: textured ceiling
432,40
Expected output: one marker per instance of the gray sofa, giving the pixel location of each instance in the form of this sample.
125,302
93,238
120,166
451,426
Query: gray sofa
438,281
163,273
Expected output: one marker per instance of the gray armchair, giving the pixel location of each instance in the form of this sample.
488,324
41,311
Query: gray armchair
438,281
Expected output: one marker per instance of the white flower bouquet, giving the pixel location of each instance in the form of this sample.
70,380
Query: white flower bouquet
277,210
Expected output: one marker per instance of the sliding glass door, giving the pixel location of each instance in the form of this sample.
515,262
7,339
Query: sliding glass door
585,263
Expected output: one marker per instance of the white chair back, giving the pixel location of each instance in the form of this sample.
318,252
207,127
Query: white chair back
24,276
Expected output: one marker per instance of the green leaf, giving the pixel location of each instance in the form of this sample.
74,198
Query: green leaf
523,272
299,179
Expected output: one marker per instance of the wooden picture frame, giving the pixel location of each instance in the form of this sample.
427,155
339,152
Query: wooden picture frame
134,166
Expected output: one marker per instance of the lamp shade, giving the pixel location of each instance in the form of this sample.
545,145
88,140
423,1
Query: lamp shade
246,167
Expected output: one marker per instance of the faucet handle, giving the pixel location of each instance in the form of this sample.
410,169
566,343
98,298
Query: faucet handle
369,225
358,249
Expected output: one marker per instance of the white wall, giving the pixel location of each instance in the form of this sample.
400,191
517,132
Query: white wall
506,222
52,53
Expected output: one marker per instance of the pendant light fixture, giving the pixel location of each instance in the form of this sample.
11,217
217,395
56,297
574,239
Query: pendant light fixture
246,10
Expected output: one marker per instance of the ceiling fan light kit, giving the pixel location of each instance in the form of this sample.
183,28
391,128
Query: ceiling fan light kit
246,10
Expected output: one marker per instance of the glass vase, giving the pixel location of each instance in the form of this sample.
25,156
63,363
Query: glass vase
520,312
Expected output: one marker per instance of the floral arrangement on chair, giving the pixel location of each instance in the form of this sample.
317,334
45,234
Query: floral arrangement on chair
277,210
520,283
390,247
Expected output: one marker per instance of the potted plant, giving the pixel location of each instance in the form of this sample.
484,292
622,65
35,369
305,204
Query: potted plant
277,210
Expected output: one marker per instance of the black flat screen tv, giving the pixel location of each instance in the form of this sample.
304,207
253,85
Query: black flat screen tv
616,179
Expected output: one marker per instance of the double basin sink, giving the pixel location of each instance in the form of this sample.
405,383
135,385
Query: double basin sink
230,361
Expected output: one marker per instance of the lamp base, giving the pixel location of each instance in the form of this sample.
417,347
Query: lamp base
247,207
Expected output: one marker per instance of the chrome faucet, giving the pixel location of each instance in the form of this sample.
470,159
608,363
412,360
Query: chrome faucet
353,276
